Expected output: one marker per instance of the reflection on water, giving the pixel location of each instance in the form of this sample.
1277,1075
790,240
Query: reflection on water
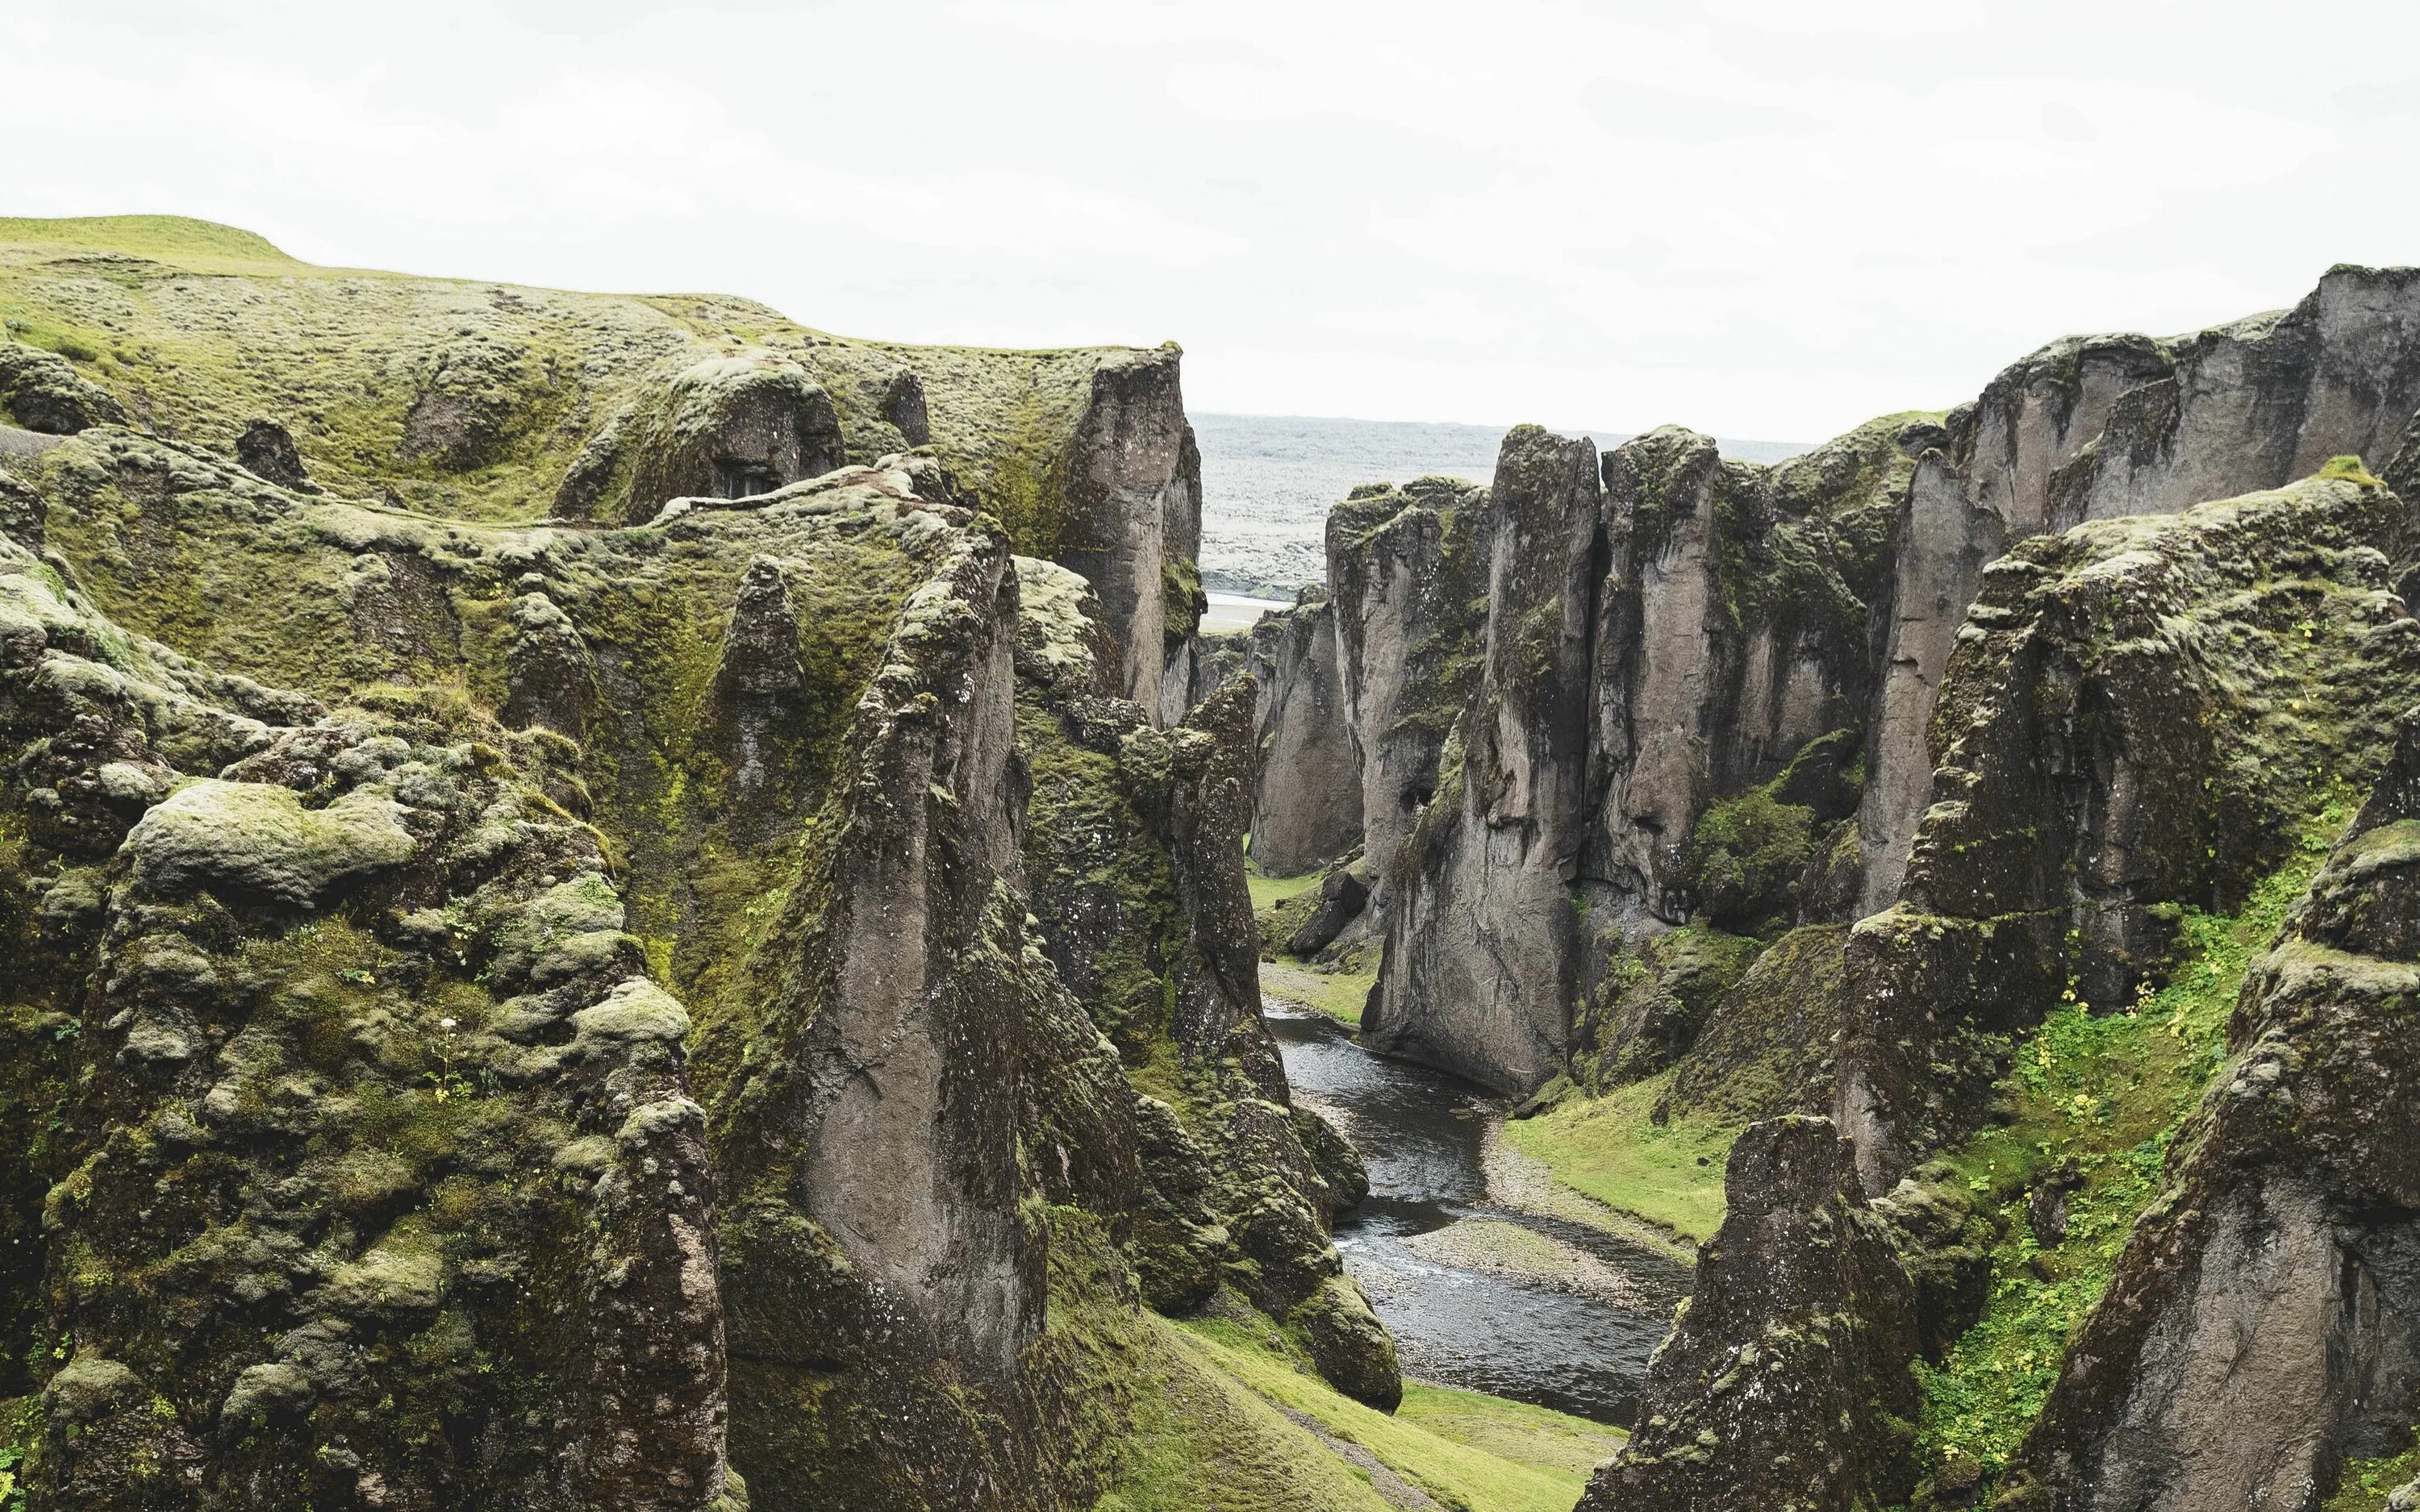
1420,1131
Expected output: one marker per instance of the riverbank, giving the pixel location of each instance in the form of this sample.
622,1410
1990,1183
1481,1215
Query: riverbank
1490,1275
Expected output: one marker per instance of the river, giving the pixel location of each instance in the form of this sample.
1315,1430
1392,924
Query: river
1458,1247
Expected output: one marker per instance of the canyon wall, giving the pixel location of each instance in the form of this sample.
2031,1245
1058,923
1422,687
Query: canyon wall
616,1012
1726,708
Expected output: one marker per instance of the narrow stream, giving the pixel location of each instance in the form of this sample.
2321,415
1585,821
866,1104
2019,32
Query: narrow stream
1478,1293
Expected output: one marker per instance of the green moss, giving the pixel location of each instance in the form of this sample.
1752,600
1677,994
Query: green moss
1613,1149
2351,470
2365,1484
1100,882
21,1431
2108,1092
173,318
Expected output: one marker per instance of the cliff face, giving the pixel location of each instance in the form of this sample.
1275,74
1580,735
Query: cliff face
2261,1328
1306,810
2144,714
1408,569
1480,943
1747,657
1360,685
614,1015
2136,717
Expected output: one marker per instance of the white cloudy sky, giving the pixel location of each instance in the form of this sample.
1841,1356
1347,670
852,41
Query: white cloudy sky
1767,219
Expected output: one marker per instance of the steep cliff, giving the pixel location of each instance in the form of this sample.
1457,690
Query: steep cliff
1751,654
617,1014
2261,1330
2144,720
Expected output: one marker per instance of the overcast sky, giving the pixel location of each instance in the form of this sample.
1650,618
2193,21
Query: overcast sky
1764,220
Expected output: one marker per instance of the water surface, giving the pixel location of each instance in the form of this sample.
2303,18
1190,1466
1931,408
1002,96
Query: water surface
1576,1340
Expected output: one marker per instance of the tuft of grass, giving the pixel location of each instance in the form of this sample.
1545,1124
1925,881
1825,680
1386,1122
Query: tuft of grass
1611,1149
2352,470
2110,1093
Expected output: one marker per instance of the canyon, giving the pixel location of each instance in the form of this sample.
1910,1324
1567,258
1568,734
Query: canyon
615,902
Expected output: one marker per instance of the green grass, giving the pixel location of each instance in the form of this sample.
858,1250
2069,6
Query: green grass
1610,1148
2110,1092
21,1424
1463,1448
1554,1444
1269,891
1339,995
2368,1483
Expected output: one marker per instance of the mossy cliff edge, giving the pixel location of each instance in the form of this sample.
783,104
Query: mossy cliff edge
734,1006
466,400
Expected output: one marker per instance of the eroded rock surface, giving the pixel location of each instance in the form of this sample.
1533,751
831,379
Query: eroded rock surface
1785,1384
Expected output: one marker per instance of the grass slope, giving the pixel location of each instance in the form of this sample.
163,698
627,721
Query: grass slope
200,328
1609,1147
2109,1093
1242,1426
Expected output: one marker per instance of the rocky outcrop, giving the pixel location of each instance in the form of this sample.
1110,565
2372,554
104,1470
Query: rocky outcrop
728,428
2099,428
2138,713
1406,567
456,400
2141,714
1137,879
267,452
2262,1327
1784,1386
1744,624
1130,515
640,963
1481,965
371,1174
43,393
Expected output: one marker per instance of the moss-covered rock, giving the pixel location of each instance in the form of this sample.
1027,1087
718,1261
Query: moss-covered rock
42,392
2139,716
2283,1230
1785,1382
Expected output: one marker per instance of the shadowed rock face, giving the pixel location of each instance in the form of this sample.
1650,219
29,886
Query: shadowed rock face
44,393
725,428
267,450
1785,1383
2263,1324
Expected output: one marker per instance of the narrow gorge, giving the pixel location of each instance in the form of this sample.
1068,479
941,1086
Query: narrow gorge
614,902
